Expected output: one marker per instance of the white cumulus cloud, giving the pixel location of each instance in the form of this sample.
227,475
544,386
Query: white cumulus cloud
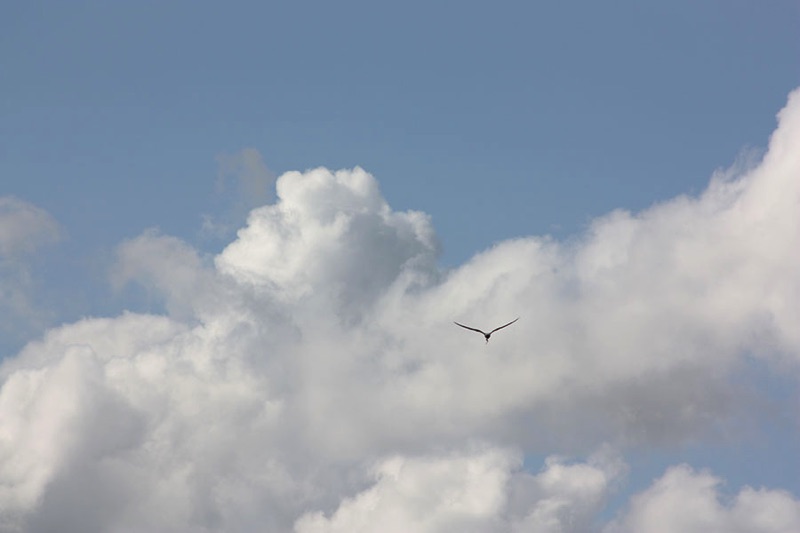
480,490
310,375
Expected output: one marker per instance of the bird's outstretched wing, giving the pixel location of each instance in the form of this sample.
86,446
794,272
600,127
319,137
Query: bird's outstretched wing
473,329
501,327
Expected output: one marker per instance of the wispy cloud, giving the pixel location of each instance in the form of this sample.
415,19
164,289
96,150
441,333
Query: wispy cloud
243,183
24,229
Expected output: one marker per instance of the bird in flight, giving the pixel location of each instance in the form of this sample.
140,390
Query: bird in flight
486,335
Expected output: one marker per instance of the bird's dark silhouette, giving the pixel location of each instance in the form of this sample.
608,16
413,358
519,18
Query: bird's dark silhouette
486,335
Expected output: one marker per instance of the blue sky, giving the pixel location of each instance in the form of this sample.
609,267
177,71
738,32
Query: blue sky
502,121
510,120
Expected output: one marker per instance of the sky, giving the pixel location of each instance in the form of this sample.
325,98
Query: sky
234,239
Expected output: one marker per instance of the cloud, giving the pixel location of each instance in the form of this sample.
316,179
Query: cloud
686,501
310,375
24,229
486,490
481,490
458,493
332,237
168,268
243,182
